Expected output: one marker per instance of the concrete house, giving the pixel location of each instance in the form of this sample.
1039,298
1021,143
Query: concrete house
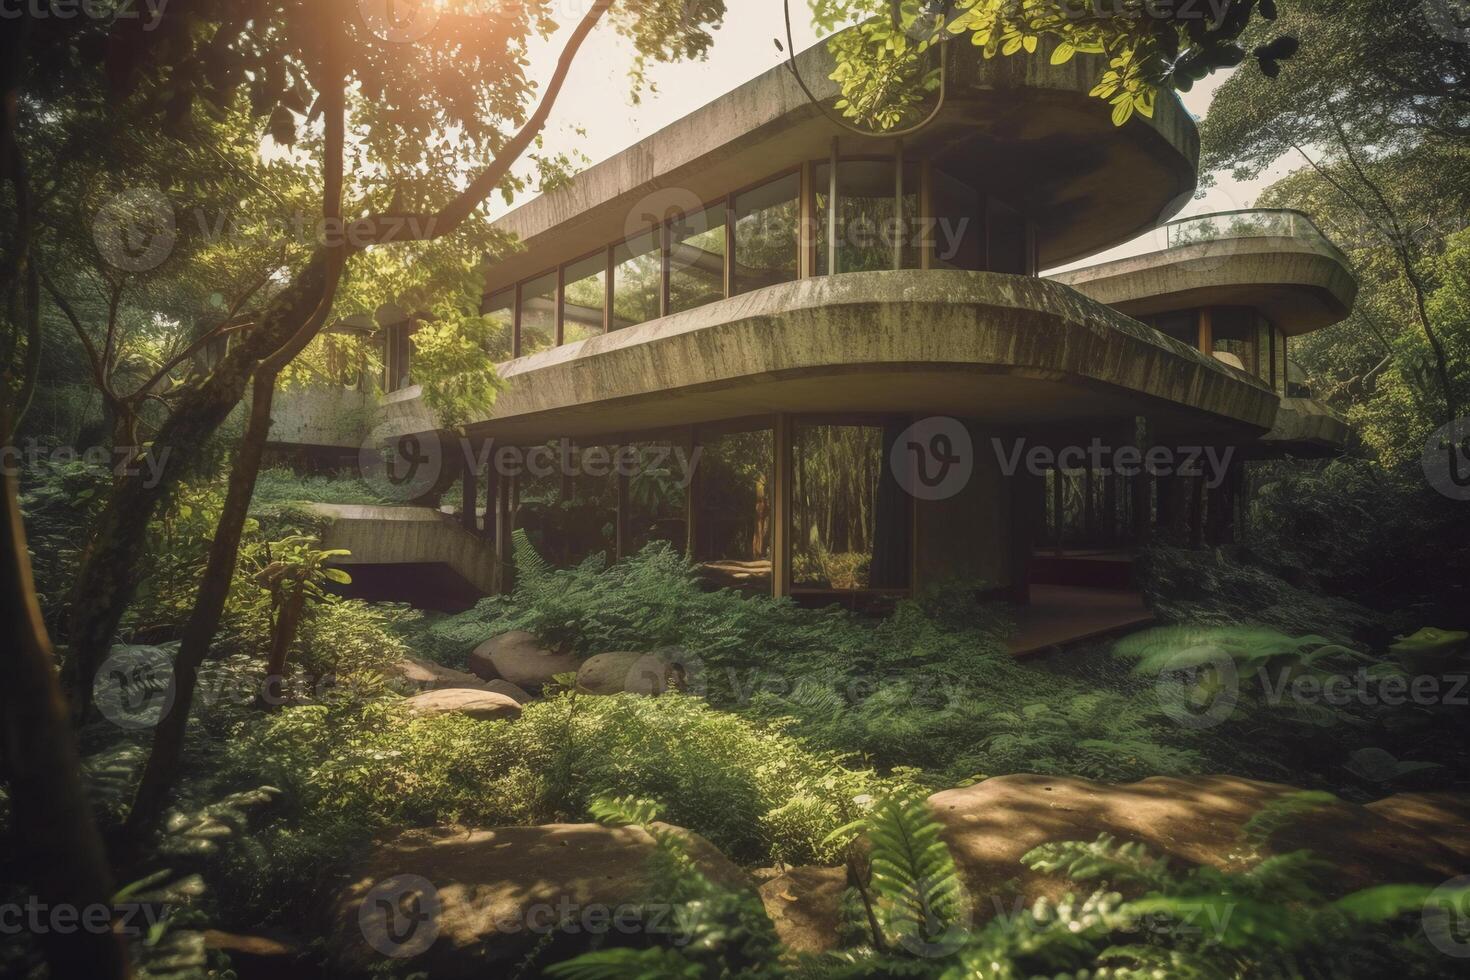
849,342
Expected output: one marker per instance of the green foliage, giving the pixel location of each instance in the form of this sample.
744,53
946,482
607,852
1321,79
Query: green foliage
920,901
623,811
283,486
728,778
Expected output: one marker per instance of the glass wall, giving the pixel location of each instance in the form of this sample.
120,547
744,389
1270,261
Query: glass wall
754,238
1234,332
500,309
538,315
767,219
697,259
850,519
585,298
733,527
637,281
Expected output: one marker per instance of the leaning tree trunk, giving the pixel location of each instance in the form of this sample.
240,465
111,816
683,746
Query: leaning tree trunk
62,855
111,566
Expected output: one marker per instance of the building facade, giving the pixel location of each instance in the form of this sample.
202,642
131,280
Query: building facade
842,354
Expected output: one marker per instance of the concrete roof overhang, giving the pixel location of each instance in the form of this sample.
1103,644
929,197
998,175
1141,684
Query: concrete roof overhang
1299,284
1026,131
1013,350
1305,428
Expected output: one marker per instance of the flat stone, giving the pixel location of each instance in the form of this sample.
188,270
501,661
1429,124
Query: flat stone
520,658
481,705
414,674
482,899
805,905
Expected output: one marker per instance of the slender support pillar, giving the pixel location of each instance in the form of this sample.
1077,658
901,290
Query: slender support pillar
504,528
691,500
492,498
1206,331
623,545
781,511
470,499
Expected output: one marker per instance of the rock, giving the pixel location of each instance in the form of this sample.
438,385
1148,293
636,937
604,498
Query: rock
472,903
480,705
1196,820
517,694
1441,817
631,673
412,675
805,905
518,657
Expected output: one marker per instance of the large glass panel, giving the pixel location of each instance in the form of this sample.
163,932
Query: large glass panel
766,222
736,506
1182,325
538,314
586,297
1234,332
500,310
958,230
871,235
697,259
850,517
637,281
1010,250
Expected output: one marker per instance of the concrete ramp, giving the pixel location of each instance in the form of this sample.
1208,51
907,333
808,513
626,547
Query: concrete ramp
382,535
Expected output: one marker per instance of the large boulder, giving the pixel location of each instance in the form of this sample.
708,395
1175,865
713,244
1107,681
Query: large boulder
477,704
412,675
518,657
1195,820
454,902
631,673
515,692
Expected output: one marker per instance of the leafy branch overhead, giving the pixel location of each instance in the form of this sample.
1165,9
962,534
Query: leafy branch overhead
886,66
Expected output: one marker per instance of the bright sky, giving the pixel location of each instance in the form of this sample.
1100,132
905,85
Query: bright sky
596,99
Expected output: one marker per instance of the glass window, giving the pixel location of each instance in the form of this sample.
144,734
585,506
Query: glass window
958,230
1234,332
766,222
538,314
637,281
850,517
586,297
736,506
1010,250
697,259
1183,325
500,311
398,356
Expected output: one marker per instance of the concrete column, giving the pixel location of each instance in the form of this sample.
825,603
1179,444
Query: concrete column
781,510
1206,331
691,499
504,529
620,533
470,499
492,494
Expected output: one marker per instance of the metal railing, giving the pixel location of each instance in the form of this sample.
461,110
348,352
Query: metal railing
1248,223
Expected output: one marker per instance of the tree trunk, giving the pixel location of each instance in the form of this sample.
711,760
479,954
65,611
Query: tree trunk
110,568
209,607
284,635
62,853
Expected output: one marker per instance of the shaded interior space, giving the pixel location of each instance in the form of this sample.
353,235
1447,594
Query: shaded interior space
734,510
423,585
1058,615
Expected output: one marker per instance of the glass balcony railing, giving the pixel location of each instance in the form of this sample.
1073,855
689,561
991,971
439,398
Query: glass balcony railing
1256,223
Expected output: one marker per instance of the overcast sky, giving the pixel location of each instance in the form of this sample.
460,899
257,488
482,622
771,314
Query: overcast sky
597,102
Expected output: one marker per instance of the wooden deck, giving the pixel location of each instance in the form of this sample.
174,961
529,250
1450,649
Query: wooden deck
1062,614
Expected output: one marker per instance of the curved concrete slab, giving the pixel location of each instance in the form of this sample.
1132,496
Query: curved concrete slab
392,535
1299,284
1306,427
1026,130
980,345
